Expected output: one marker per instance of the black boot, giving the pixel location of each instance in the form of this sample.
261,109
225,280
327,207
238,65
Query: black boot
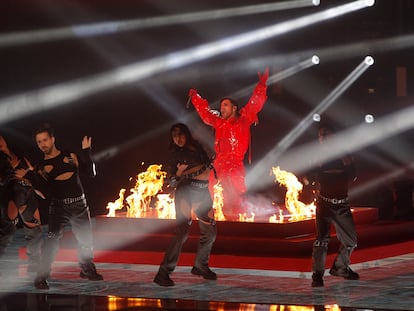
41,283
205,272
347,273
317,279
163,278
88,271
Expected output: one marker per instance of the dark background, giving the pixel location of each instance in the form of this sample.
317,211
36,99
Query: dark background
134,118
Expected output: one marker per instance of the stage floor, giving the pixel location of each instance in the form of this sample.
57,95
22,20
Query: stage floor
386,284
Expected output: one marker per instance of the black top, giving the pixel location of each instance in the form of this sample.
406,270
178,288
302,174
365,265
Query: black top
191,155
64,163
334,177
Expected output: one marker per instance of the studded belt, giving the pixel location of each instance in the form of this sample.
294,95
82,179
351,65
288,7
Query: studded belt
334,200
196,173
71,200
199,183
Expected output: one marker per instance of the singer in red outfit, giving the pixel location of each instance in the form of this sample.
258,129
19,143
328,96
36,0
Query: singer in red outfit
232,137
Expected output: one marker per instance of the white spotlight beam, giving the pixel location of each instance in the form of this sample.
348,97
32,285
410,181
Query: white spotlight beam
302,158
376,46
104,28
381,180
272,156
31,102
279,76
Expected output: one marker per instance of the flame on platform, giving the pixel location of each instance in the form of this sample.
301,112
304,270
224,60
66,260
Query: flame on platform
298,210
277,218
244,218
147,185
218,202
165,206
116,205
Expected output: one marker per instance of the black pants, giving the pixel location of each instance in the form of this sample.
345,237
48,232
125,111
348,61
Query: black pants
22,198
340,215
60,214
191,195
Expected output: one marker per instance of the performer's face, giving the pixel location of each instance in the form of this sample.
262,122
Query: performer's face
227,109
45,142
178,137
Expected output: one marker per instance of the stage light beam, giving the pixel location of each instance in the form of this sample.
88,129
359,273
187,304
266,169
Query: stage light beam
271,158
20,105
309,62
111,27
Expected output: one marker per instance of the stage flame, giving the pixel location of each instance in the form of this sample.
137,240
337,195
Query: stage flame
244,218
165,206
298,210
218,202
147,185
116,205
277,218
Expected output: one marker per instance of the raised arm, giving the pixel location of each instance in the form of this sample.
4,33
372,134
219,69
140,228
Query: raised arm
203,108
258,98
86,165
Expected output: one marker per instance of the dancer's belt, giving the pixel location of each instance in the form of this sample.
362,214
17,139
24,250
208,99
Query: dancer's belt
24,182
196,173
72,200
334,200
202,184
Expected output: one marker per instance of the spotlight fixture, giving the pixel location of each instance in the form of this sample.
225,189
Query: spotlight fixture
315,59
370,2
369,60
369,118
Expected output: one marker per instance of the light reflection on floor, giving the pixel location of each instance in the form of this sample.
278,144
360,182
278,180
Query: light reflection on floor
385,284
47,302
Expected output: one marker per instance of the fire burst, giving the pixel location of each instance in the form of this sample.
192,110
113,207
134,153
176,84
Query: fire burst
298,210
147,185
218,202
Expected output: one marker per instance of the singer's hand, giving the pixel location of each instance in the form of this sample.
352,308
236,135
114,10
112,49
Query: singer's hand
263,77
192,92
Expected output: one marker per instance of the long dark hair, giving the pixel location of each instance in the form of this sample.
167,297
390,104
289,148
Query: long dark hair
189,139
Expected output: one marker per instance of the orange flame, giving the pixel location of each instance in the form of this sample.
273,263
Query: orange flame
147,185
244,218
298,210
277,219
165,206
116,205
218,202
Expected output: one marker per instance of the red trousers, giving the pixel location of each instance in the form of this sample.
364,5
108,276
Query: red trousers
231,176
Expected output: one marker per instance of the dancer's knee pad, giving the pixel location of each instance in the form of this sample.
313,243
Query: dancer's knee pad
321,243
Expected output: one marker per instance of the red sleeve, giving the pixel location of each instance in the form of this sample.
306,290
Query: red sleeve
255,103
203,109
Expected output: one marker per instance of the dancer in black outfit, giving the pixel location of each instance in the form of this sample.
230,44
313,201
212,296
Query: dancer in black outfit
333,178
18,199
60,170
189,169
